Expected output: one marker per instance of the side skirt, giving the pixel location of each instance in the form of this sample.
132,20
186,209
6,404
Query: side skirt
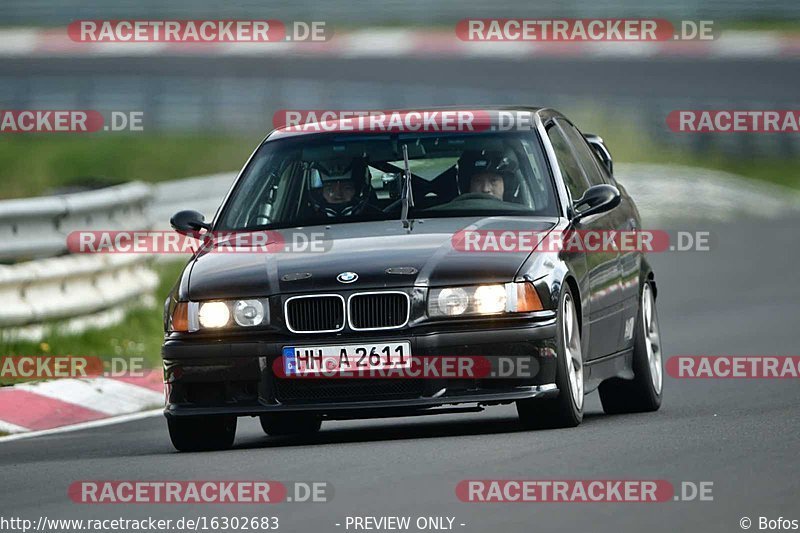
615,365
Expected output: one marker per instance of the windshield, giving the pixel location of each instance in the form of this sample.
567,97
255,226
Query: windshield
333,179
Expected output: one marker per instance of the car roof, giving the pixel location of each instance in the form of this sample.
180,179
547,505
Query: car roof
308,128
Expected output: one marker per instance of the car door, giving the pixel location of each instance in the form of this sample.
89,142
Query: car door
604,276
630,259
624,218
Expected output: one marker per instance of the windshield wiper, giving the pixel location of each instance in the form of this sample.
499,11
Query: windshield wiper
406,196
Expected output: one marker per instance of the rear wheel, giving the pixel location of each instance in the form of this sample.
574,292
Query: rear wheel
202,433
643,392
566,410
277,424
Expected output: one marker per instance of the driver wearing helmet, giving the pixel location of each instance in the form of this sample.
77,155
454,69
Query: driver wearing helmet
485,171
339,188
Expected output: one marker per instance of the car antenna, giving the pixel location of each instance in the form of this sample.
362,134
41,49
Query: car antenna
407,196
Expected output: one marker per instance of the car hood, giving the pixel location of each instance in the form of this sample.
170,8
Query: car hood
384,254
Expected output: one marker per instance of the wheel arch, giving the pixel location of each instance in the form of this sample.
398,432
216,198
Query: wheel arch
570,281
648,276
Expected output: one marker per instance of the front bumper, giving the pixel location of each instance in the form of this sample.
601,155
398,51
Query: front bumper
235,377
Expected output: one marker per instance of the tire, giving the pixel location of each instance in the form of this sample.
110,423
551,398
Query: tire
202,433
281,424
644,392
566,410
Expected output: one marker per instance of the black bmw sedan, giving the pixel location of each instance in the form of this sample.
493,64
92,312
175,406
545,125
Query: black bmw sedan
412,265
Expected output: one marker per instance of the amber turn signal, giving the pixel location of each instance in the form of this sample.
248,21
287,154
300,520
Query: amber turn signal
180,317
527,298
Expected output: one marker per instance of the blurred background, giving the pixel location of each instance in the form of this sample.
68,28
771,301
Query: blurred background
206,106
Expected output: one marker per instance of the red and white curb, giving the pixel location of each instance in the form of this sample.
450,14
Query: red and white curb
54,42
35,408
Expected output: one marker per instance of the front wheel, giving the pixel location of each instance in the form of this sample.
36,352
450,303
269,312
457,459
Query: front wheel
202,433
566,410
642,393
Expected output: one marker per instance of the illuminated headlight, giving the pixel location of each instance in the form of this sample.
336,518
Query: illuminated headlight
483,300
248,313
223,314
490,299
214,315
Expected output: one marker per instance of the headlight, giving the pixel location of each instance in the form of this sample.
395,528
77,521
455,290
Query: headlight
214,315
248,313
483,300
490,299
452,301
196,316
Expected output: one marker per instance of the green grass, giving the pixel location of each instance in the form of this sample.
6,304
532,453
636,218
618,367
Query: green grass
771,169
779,25
785,172
32,165
629,144
140,335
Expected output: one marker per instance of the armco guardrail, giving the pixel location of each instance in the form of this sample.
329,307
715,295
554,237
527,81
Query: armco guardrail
74,287
52,289
33,228
62,288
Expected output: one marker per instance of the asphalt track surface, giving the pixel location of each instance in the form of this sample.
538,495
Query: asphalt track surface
743,435
769,81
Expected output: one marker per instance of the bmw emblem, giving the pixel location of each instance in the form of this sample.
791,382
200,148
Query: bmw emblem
347,277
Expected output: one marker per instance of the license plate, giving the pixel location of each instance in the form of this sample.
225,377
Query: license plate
305,360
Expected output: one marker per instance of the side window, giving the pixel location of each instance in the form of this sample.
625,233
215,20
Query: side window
255,205
584,153
570,169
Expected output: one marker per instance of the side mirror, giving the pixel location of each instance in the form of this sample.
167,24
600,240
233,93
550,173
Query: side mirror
188,222
596,199
600,148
